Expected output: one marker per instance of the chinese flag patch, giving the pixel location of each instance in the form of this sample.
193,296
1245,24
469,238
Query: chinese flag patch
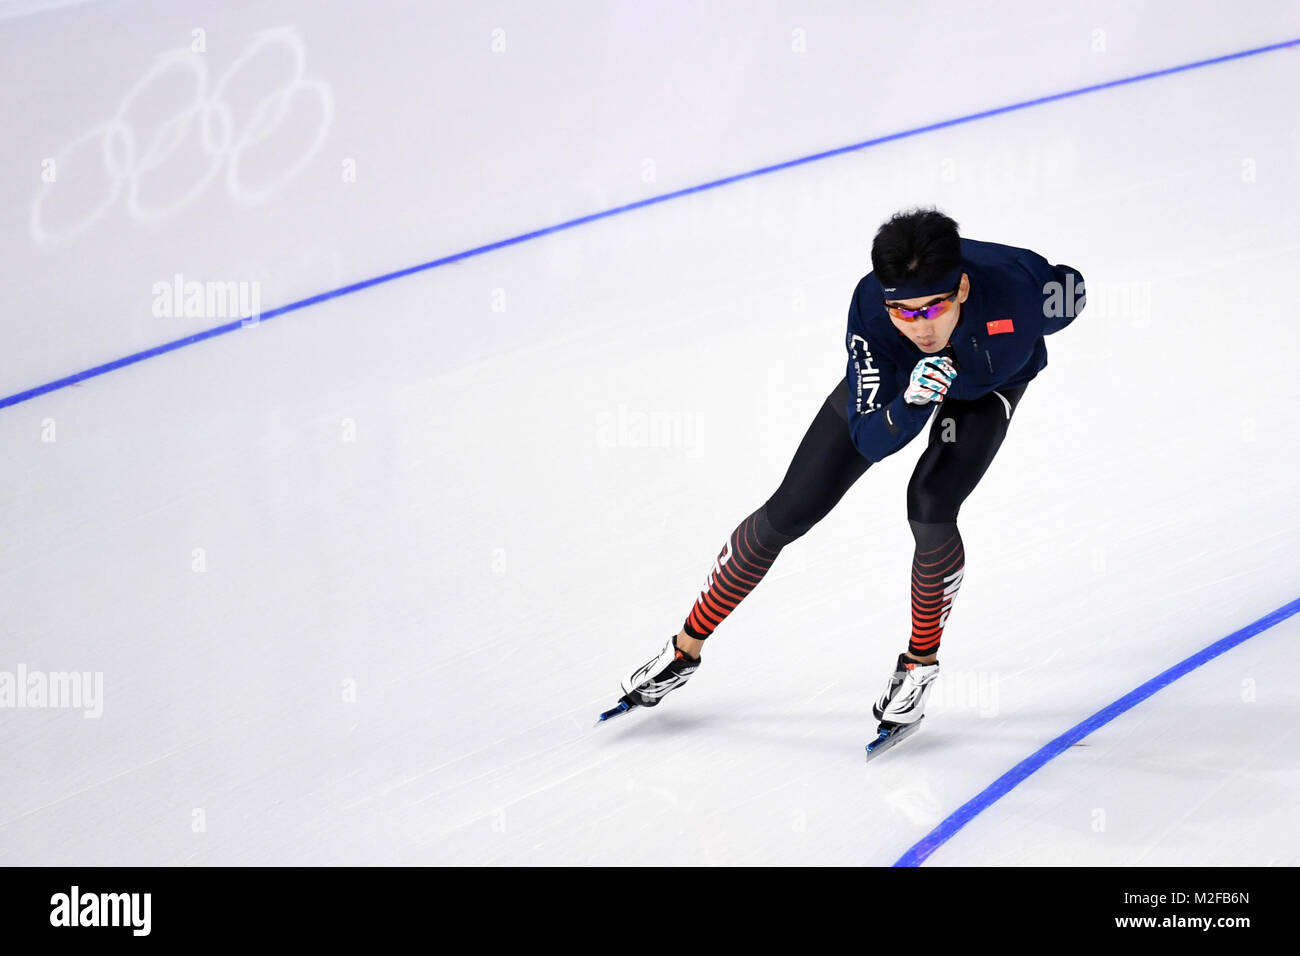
998,326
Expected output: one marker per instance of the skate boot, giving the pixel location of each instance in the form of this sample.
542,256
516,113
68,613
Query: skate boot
895,681
669,670
649,683
903,701
902,705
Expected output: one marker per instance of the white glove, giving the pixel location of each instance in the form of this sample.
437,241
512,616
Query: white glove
930,380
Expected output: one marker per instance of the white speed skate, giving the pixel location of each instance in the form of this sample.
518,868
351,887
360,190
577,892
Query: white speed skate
902,705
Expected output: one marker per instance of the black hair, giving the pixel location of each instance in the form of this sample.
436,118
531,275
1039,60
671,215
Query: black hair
915,246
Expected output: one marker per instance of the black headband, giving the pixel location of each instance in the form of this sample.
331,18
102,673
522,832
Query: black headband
917,290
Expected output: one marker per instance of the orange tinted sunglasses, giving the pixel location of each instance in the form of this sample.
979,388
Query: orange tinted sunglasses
931,311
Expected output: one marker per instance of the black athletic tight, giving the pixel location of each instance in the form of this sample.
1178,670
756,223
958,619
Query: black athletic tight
964,437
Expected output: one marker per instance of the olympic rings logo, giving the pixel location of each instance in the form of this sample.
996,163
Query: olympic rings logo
129,159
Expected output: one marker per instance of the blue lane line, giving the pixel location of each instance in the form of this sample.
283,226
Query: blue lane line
627,207
920,851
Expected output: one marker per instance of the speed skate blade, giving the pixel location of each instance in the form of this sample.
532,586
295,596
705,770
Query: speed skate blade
887,737
618,710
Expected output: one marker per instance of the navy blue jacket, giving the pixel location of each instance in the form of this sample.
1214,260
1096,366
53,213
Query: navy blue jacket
1016,298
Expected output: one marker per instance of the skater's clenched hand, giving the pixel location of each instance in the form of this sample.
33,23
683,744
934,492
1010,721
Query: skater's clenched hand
930,380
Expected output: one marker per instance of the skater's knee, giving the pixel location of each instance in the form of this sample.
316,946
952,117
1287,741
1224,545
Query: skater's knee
780,521
928,506
930,535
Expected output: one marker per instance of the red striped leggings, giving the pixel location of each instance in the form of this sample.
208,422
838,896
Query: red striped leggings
964,437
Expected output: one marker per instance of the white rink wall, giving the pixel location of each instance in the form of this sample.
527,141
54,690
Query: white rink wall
310,145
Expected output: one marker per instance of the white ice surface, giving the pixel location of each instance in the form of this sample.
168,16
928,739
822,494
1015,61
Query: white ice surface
486,559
